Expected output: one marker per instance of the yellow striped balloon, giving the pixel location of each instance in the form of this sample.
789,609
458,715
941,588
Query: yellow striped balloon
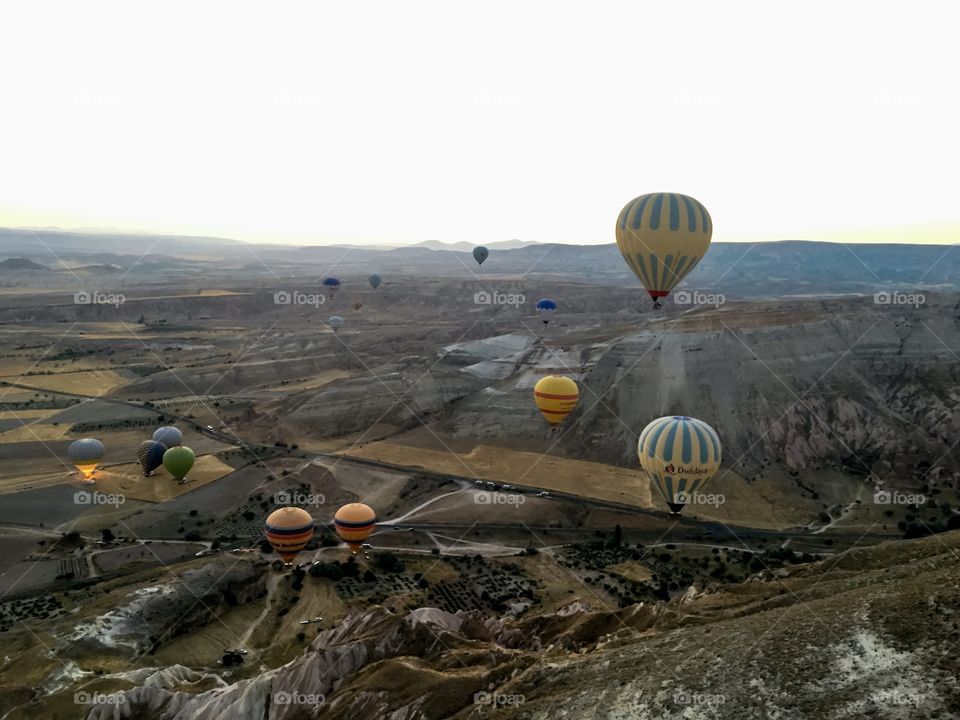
354,523
556,396
288,530
679,454
662,237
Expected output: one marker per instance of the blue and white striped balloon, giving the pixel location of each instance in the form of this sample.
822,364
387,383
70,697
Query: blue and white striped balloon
679,454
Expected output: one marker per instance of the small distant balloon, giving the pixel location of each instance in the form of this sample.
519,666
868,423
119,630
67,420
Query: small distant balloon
480,253
289,530
169,436
336,322
375,281
354,523
85,454
150,456
545,309
357,305
178,461
331,284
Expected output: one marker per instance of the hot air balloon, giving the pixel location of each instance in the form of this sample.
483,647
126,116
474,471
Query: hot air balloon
169,436
332,284
545,309
336,322
556,396
288,530
662,237
178,461
357,305
354,524
375,281
85,454
679,454
150,456
480,254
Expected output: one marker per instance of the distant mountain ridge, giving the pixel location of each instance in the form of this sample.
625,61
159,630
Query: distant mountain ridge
768,269
20,264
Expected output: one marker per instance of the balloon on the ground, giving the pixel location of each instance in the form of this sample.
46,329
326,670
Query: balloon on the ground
354,523
169,436
480,254
556,396
178,461
86,454
150,455
375,281
336,322
546,309
289,530
662,237
680,454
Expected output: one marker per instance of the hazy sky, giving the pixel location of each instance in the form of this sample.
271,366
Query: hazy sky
485,121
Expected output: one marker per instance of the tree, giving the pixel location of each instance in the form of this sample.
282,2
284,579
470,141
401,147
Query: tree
106,535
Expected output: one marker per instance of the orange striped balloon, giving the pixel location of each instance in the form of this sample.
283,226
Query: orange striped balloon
556,396
288,530
354,524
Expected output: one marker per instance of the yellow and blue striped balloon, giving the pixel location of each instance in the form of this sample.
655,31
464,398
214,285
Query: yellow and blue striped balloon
679,454
662,237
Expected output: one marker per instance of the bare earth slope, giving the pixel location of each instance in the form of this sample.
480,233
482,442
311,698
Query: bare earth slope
867,633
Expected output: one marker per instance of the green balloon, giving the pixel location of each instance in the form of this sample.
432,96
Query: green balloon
178,461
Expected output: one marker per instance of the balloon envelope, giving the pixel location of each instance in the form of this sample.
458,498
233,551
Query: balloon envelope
556,396
662,237
331,283
546,309
288,530
169,436
480,254
354,523
178,461
336,322
375,281
150,455
85,454
680,454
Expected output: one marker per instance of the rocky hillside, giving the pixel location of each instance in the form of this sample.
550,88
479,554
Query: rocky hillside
868,633
844,385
